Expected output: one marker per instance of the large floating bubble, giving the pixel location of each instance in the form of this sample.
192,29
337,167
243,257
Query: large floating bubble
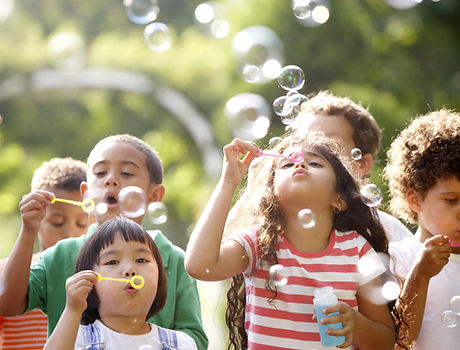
157,213
131,200
455,304
302,8
449,319
371,195
210,18
259,47
248,116
277,275
141,11
157,37
291,78
306,218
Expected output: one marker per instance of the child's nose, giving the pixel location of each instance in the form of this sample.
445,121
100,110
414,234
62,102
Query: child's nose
300,164
111,180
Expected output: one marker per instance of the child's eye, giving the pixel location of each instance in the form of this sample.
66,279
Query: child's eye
111,262
57,224
99,173
142,260
314,164
287,165
124,173
451,200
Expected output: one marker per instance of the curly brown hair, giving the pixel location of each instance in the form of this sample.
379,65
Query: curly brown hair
268,217
59,173
426,151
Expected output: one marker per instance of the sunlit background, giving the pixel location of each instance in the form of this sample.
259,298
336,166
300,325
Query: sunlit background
188,76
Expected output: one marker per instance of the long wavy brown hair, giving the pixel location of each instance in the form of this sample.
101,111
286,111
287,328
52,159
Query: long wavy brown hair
258,207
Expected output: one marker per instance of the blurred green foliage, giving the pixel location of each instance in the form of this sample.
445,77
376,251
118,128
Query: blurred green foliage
399,63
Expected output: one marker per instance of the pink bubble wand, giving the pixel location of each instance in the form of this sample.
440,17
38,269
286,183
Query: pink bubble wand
295,157
452,243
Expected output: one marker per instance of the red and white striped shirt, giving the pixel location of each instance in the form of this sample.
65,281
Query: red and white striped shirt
25,332
286,322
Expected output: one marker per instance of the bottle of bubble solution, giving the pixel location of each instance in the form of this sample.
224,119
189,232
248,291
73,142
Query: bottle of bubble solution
325,297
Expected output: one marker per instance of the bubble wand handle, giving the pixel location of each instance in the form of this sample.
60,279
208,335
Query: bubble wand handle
87,205
131,281
452,243
68,201
296,157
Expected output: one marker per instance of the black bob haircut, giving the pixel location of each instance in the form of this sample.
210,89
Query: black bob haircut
103,237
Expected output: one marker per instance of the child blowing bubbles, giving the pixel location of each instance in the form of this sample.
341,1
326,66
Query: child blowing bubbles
114,313
344,232
423,171
114,163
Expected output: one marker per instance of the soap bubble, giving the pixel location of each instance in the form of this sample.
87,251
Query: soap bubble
209,17
291,78
157,213
319,13
102,208
274,141
141,11
251,73
248,116
449,319
356,154
131,200
371,195
261,47
276,275
278,105
306,218
403,4
391,290
157,37
301,8
67,51
455,304
145,347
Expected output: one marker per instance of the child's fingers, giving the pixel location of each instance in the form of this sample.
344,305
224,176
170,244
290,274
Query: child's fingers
438,240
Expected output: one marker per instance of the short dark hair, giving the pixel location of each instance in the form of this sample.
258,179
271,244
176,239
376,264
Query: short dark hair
59,173
426,151
104,236
366,132
152,160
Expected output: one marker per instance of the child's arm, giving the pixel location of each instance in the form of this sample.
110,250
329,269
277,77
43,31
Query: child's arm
14,280
206,258
431,260
77,287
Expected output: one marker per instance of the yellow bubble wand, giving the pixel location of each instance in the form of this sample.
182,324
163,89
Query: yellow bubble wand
136,285
87,204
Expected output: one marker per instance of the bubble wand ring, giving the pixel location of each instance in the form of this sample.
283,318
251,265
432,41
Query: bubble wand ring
87,205
131,281
296,157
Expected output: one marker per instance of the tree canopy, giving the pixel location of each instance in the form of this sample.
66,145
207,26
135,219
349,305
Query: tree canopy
103,79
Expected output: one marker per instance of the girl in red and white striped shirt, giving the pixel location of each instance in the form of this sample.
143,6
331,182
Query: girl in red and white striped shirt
266,231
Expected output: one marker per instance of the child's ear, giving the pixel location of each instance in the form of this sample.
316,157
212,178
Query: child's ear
414,200
365,164
339,205
157,193
83,189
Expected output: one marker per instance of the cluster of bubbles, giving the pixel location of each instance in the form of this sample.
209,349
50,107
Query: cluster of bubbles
157,35
450,317
291,78
311,13
132,204
248,116
210,18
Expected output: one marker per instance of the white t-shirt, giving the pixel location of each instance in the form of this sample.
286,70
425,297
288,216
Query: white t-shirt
442,287
117,341
394,229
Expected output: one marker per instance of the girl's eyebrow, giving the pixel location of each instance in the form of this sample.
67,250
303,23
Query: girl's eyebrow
110,252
